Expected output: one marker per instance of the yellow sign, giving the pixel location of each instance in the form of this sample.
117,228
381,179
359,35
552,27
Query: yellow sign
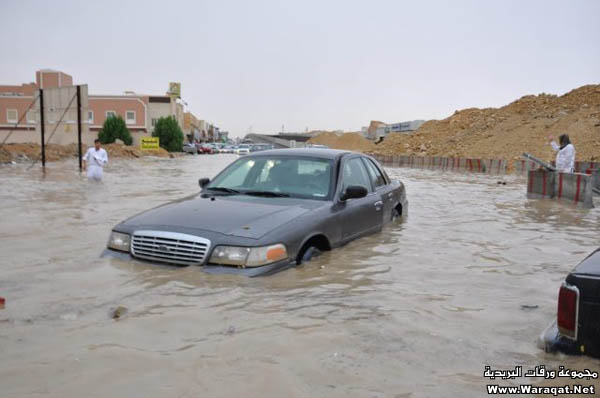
175,89
149,143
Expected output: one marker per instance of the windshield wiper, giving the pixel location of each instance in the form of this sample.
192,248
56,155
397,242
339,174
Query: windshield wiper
270,194
223,189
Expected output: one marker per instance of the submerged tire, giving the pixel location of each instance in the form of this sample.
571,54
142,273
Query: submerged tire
395,214
310,253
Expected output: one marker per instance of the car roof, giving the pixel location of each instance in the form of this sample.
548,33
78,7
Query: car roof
321,153
590,265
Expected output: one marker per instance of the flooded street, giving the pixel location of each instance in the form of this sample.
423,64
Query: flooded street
415,311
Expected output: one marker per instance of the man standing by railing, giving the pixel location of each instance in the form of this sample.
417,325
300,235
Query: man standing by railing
565,156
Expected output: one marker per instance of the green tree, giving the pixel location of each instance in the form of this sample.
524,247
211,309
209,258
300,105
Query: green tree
169,134
114,127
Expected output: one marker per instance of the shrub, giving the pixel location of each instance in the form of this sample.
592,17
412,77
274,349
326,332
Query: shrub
114,127
169,134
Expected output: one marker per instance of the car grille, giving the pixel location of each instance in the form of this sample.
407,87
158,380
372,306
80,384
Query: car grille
169,247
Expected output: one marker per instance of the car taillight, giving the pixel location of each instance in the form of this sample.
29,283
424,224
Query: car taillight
568,311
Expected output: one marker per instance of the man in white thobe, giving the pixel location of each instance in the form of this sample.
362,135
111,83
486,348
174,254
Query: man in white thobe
565,154
94,160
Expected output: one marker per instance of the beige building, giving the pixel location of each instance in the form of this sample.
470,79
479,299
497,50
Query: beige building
20,111
191,127
163,106
20,119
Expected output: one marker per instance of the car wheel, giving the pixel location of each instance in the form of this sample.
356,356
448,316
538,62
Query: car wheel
310,253
395,214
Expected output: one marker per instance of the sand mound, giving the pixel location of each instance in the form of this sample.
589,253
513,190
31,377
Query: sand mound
347,141
507,132
129,151
30,151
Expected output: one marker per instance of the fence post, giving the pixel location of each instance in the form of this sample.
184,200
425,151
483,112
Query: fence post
79,125
42,127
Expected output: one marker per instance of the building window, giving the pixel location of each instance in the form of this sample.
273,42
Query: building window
12,116
154,122
111,114
31,118
130,117
90,117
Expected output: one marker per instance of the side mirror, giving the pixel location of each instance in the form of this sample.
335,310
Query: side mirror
203,182
353,192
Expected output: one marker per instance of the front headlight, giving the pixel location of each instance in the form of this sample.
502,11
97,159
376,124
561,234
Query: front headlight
248,256
119,241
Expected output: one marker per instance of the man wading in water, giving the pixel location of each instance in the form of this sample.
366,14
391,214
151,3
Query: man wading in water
565,157
94,160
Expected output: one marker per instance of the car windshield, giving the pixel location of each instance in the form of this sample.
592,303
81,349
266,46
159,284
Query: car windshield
298,177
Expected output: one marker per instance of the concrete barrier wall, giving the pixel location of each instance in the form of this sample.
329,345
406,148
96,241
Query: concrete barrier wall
540,184
583,167
595,173
586,167
570,187
491,166
575,187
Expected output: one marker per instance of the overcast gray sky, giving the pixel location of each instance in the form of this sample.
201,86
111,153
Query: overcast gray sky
317,64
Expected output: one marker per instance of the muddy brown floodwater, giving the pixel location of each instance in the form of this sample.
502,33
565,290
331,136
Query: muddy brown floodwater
415,311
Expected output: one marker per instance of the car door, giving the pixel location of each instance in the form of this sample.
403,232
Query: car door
383,187
363,215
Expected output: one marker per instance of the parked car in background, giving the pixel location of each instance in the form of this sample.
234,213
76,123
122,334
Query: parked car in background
265,212
576,328
227,149
205,149
243,149
190,147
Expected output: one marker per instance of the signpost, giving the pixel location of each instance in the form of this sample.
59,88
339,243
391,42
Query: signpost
149,143
175,89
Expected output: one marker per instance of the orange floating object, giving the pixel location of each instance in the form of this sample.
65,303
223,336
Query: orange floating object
2,301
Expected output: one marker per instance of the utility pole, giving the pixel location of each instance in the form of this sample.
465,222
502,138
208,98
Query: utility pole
79,125
42,128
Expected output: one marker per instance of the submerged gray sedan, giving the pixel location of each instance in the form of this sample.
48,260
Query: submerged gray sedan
265,212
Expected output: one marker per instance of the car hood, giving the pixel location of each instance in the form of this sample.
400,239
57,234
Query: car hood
236,215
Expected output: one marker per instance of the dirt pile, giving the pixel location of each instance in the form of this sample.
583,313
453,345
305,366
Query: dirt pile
507,132
26,152
129,151
347,141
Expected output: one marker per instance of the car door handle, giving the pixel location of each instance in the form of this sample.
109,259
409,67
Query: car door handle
378,205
